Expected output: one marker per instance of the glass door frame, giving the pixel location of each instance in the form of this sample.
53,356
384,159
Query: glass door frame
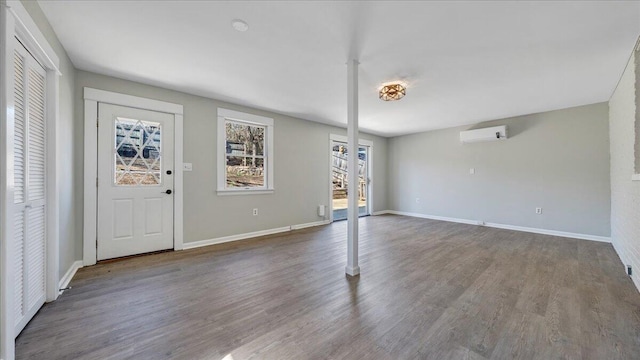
368,145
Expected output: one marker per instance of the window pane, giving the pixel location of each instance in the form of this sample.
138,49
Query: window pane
244,139
244,171
137,155
259,150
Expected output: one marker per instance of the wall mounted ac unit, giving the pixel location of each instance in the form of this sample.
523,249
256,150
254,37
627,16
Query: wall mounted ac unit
486,134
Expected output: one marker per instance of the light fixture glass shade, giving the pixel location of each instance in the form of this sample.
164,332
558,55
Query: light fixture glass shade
391,92
240,25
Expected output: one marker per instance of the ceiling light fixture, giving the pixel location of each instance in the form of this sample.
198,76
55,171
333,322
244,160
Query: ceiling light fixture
392,91
240,25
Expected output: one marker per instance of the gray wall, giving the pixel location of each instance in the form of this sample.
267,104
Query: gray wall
556,160
301,165
70,223
301,161
624,122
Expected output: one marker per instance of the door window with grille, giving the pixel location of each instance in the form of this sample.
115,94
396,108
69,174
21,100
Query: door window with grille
137,154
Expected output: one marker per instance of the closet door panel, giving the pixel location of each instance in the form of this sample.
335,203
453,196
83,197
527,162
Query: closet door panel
29,165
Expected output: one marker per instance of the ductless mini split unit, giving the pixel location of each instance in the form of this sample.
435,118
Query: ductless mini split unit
487,134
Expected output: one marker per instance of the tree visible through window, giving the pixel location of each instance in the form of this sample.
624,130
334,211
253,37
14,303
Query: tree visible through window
244,153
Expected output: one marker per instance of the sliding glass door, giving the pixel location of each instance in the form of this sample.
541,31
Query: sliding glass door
339,179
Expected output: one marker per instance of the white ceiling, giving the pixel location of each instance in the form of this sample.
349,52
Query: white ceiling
464,62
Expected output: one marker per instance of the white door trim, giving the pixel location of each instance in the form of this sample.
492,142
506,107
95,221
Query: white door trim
16,22
364,142
91,99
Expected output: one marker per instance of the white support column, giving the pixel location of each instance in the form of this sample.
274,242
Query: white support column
352,268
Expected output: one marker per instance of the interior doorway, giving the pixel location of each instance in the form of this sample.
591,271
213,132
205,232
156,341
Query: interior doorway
339,180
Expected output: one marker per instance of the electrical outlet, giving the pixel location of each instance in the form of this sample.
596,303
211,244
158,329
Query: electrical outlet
472,171
538,210
255,212
417,200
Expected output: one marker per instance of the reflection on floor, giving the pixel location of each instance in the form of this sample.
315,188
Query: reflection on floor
341,203
341,214
428,290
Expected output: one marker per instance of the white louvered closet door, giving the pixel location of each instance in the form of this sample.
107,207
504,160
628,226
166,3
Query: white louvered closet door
29,182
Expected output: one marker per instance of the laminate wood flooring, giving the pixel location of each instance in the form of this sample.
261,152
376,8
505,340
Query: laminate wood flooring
428,290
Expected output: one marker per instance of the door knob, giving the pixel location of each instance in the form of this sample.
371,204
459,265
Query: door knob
168,191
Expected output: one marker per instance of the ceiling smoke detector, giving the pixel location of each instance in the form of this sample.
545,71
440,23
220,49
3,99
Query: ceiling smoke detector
240,25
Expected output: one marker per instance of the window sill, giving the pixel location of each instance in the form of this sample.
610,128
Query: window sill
635,177
245,192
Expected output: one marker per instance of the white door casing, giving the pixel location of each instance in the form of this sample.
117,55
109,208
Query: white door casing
135,181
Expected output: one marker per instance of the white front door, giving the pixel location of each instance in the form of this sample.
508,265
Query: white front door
135,181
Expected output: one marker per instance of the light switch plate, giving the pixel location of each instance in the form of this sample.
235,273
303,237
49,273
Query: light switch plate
187,166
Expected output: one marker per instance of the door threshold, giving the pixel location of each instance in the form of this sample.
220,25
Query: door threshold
118,259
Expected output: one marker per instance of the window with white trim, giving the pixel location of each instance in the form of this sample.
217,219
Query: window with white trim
245,153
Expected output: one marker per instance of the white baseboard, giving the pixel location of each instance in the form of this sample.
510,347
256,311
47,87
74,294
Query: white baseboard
502,226
311,224
382,212
551,232
225,239
66,279
625,260
352,271
433,217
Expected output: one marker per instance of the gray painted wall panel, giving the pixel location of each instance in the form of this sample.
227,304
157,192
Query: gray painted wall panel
556,160
301,165
70,223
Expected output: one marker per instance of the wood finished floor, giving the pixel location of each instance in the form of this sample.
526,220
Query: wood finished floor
428,290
